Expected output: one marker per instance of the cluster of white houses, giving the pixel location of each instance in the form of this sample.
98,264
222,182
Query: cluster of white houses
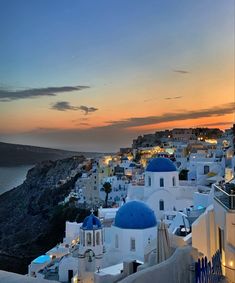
121,243
123,240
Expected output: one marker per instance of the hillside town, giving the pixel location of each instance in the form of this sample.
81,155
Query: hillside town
169,200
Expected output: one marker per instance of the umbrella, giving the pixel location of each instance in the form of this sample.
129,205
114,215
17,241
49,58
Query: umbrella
163,242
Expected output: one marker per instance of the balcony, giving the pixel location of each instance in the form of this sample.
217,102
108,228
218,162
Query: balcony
225,194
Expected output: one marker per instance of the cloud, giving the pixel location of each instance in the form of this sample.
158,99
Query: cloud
65,106
112,136
84,124
217,124
175,97
175,116
9,95
183,72
87,109
167,98
77,121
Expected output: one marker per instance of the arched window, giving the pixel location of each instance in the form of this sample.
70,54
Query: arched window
88,239
116,241
173,182
149,181
206,169
83,238
132,246
97,238
161,182
161,204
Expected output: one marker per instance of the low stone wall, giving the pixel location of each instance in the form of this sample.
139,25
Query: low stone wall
176,269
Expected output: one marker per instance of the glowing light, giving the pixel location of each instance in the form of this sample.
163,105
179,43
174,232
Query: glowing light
211,141
170,150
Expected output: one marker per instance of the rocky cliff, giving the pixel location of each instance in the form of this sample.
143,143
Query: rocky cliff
31,221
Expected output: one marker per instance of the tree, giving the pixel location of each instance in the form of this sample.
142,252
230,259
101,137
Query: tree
107,187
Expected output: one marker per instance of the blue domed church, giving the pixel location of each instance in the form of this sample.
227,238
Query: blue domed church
135,225
161,190
91,247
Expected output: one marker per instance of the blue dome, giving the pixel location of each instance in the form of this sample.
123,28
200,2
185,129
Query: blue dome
161,164
135,215
91,222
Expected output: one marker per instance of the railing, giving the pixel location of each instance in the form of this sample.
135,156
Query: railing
208,272
225,195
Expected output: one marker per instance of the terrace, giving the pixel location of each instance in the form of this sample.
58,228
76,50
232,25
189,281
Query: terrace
225,194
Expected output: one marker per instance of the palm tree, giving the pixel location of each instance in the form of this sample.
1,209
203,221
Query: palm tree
107,187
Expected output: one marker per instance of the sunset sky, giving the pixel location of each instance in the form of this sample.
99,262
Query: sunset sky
92,75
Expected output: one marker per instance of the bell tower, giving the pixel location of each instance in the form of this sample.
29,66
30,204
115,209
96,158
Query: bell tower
91,247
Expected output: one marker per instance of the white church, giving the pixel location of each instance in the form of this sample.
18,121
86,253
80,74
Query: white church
98,247
161,189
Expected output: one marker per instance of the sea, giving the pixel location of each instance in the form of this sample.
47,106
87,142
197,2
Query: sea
11,177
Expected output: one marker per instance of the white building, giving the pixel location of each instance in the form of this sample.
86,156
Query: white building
202,168
133,229
162,191
91,248
215,229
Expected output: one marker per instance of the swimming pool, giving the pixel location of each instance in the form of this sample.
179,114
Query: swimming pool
42,259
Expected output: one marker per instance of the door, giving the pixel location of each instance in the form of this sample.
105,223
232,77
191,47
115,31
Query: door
70,275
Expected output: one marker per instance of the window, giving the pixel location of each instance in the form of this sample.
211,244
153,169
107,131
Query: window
97,238
149,181
116,241
88,239
161,204
221,239
132,248
173,182
161,182
83,238
206,169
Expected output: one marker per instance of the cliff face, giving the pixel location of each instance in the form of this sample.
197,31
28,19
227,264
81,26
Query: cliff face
31,221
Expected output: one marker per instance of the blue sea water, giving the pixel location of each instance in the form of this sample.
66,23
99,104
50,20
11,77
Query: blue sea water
11,177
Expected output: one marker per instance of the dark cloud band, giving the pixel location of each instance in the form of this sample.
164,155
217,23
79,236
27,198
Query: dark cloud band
170,117
182,72
65,106
9,95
